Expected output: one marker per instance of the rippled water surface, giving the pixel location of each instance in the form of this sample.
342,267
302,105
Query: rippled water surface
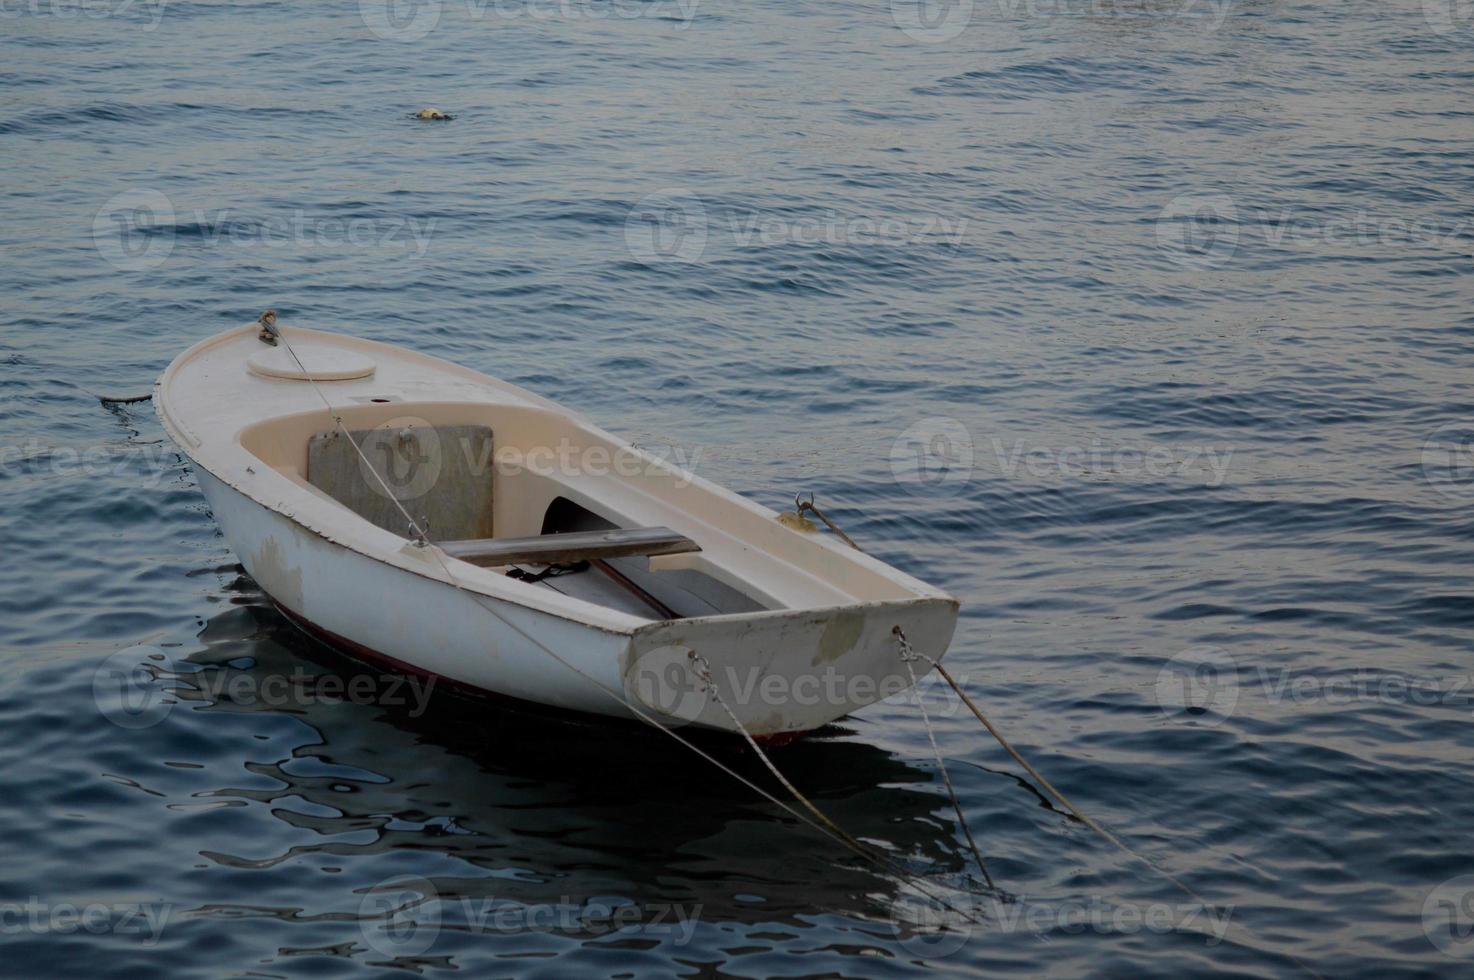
1144,329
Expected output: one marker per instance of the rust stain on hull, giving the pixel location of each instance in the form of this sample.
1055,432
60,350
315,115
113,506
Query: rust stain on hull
840,635
270,570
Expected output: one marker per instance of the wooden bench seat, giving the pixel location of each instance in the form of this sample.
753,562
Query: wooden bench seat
555,549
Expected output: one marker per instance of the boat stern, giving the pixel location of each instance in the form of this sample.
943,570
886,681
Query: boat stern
782,672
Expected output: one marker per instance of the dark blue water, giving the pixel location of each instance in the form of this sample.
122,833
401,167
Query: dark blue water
1143,328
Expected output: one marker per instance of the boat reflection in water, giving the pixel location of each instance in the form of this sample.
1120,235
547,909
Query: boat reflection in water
494,801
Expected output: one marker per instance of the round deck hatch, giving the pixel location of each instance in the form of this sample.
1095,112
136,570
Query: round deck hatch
323,362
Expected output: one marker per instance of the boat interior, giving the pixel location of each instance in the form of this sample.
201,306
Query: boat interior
522,491
538,495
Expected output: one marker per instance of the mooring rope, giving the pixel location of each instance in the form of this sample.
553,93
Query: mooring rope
1080,814
906,648
823,824
802,505
908,655
1038,776
703,671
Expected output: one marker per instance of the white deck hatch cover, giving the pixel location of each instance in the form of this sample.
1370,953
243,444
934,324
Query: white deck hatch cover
323,363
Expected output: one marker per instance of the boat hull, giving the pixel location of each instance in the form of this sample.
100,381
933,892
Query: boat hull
472,640
750,625
775,673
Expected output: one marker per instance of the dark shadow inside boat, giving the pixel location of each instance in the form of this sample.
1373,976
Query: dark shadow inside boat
540,803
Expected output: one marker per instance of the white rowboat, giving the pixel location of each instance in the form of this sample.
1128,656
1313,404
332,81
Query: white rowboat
567,567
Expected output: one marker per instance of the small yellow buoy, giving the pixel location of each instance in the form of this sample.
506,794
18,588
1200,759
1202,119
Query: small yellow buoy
797,521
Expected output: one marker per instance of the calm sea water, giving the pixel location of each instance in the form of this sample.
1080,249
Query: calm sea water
1142,327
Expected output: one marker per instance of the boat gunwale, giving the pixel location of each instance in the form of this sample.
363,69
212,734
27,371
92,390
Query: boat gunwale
479,581
642,625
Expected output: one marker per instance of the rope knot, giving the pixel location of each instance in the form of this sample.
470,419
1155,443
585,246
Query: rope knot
702,670
269,332
904,645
